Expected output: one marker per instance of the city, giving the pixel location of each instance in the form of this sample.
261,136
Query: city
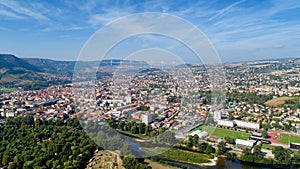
262,106
135,84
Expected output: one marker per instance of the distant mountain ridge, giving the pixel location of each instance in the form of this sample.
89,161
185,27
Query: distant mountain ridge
53,65
8,61
18,73
50,65
37,73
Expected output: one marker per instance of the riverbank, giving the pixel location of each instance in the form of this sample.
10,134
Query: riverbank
213,162
157,165
137,137
222,163
181,156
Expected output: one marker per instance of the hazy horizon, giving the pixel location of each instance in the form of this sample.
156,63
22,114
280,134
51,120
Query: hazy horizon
119,58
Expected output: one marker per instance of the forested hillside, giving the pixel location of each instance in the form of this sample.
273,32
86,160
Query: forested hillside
42,144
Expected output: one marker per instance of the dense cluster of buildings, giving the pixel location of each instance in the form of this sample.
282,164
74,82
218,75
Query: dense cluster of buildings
50,103
159,99
278,78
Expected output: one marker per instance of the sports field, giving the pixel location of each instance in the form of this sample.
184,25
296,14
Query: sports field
284,138
222,133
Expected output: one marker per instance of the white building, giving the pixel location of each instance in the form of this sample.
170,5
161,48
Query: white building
217,115
128,99
248,125
51,111
248,143
226,123
20,110
111,102
148,118
10,114
298,128
152,108
2,112
114,112
200,134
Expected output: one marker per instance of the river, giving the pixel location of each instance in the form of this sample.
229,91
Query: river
223,163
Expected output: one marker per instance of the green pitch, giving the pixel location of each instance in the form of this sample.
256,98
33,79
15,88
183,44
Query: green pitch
222,133
285,138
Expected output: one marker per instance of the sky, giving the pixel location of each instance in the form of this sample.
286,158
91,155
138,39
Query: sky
239,30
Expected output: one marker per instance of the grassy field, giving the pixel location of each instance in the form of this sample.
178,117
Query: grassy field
222,133
6,90
182,155
268,146
284,138
186,156
277,101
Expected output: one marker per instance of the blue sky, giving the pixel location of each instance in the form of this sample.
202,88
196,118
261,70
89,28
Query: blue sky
239,30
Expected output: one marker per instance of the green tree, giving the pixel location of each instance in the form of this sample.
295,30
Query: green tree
142,128
148,130
132,163
221,148
34,150
189,143
257,151
296,157
209,149
5,159
121,125
230,155
264,134
134,129
282,155
195,140
202,147
12,165
229,140
246,152
111,123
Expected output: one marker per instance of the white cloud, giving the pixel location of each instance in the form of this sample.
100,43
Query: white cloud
246,25
21,10
10,14
104,18
225,10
